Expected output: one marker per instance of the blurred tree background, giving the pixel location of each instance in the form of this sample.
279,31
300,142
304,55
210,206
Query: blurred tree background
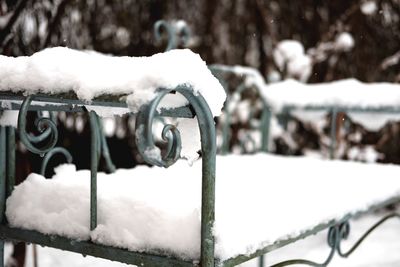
243,32
333,39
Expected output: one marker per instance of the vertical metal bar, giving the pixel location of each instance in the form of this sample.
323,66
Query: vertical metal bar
261,261
3,172
284,118
94,161
226,133
208,147
333,134
10,160
265,127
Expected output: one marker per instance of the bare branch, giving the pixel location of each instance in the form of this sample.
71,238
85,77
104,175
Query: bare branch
14,18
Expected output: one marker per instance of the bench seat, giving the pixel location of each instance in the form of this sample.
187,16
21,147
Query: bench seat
262,201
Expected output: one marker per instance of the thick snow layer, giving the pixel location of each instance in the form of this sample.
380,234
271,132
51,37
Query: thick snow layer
345,93
158,210
91,74
289,55
373,121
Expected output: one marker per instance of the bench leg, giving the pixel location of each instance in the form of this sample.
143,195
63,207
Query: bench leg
261,261
3,163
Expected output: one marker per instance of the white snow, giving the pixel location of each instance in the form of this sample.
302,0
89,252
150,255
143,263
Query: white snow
373,121
90,74
346,93
369,7
190,137
290,54
9,118
344,41
158,210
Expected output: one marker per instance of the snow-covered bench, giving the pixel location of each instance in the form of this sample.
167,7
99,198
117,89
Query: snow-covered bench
221,211
371,105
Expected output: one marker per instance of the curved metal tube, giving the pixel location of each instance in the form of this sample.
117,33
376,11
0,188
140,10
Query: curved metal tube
336,235
46,127
145,140
51,153
265,119
333,242
46,133
148,150
177,34
365,235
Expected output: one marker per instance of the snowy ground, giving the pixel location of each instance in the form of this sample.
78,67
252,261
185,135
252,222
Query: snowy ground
380,249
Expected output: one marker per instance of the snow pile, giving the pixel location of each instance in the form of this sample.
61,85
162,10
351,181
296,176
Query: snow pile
90,74
345,93
290,57
158,210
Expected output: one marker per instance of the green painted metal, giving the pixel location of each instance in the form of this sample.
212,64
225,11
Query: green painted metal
265,127
332,146
261,261
70,103
51,153
92,249
146,147
10,160
3,173
308,232
336,235
178,33
42,124
95,150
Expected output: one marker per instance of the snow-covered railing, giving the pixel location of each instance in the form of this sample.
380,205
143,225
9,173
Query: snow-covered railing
176,84
370,104
286,98
129,222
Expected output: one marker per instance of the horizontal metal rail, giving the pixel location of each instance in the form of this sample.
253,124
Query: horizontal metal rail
70,103
318,228
356,109
89,248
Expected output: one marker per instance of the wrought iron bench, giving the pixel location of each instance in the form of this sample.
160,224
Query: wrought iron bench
209,235
209,254
258,118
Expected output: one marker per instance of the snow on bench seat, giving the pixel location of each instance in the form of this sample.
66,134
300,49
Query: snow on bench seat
343,93
91,74
349,93
259,199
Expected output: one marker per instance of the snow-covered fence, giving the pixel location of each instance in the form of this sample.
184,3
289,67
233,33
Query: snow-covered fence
210,214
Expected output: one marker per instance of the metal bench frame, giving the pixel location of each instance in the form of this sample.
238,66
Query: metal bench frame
338,229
